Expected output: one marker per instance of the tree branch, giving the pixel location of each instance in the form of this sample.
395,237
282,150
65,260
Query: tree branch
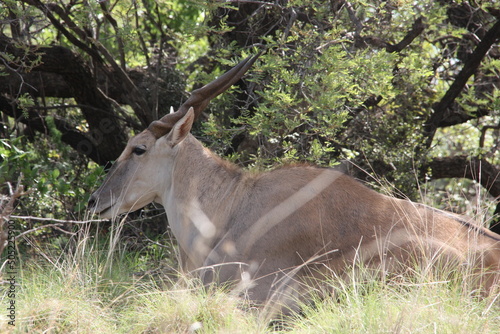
119,77
441,110
60,27
473,168
78,140
112,21
58,223
107,138
7,209
416,29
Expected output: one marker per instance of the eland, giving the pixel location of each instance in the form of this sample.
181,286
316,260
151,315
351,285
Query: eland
277,233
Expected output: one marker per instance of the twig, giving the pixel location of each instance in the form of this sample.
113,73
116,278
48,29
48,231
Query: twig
59,222
62,28
112,21
39,228
62,221
416,29
4,61
483,133
146,237
354,19
293,17
7,210
270,4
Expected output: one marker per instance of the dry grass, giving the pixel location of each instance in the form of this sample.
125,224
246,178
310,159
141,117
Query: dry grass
85,292
94,288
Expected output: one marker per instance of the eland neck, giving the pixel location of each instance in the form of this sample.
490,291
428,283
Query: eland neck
200,199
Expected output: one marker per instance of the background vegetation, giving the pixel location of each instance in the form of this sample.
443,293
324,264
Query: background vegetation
405,91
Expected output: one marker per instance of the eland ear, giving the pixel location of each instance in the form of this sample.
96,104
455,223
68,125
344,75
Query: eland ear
181,128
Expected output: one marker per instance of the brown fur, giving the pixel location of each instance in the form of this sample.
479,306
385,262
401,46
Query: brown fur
282,227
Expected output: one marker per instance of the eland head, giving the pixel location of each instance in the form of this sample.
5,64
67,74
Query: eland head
140,174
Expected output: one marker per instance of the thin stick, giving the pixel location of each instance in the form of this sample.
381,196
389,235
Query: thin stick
58,222
42,219
39,228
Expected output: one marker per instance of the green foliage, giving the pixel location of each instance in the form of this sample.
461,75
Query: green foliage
61,185
321,87
317,87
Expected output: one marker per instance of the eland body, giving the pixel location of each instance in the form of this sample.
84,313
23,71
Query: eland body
279,230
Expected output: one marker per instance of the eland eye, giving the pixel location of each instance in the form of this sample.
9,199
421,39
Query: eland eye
139,150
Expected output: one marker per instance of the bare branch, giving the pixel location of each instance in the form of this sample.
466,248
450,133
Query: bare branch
8,208
60,27
354,19
474,168
416,29
112,21
483,133
441,110
20,235
120,77
56,225
62,221
139,34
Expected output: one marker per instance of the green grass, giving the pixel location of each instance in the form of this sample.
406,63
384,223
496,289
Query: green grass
432,307
89,289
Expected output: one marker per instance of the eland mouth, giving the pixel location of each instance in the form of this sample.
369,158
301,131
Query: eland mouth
93,206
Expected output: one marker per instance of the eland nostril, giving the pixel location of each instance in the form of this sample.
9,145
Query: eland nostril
91,203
